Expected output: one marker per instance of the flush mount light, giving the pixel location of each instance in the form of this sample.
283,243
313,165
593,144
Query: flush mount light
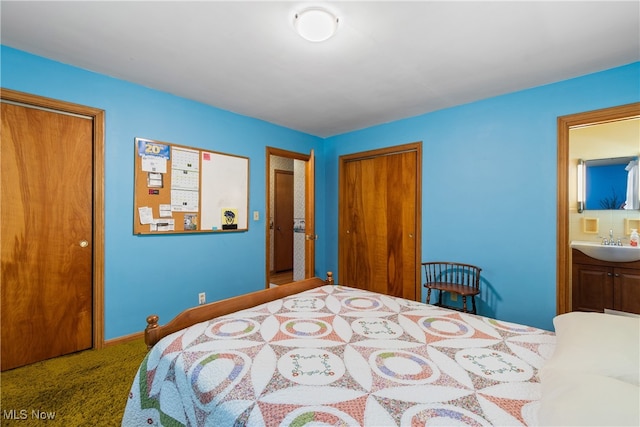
315,24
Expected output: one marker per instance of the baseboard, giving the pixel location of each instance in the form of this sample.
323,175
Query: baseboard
124,339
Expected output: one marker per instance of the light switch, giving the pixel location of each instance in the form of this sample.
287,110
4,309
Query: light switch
256,215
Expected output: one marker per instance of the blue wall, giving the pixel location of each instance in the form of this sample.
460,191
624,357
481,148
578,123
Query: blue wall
489,188
489,185
222,265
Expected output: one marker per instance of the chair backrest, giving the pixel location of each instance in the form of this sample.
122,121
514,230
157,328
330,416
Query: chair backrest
452,272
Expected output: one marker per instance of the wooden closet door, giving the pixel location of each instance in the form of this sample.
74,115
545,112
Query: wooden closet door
378,244
46,215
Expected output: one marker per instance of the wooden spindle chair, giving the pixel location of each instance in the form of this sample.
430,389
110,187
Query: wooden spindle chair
453,277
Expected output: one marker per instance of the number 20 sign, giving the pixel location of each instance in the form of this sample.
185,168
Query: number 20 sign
148,147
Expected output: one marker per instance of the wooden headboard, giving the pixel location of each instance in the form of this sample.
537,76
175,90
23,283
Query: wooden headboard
155,332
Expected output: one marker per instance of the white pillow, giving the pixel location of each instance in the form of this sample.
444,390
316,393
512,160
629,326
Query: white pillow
578,399
596,343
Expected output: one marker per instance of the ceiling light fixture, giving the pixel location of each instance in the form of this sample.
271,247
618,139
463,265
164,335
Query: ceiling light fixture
315,24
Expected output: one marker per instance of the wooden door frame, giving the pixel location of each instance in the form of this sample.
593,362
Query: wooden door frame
563,250
97,116
309,202
397,149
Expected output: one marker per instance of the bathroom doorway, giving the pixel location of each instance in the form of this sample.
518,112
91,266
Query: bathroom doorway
567,188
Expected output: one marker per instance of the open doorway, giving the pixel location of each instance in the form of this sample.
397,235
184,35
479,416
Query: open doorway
567,206
290,227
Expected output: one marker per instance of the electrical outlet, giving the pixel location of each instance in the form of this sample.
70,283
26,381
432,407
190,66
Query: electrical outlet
454,297
202,298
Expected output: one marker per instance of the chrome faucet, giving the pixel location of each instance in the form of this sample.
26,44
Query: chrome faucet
612,241
609,241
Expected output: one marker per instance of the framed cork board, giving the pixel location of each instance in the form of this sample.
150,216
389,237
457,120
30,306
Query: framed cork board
181,189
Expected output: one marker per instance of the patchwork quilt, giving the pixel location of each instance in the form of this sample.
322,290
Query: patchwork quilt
343,357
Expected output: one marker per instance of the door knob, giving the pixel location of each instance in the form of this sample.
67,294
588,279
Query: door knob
84,243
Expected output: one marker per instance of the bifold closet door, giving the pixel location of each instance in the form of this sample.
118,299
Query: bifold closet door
378,224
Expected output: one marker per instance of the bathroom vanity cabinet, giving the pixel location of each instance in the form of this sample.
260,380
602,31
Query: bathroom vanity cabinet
599,285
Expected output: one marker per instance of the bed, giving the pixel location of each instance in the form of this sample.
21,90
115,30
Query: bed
316,353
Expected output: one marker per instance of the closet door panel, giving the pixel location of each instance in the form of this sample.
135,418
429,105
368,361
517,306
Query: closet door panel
378,227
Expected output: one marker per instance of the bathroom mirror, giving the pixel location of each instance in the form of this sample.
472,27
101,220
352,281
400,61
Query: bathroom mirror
610,183
602,154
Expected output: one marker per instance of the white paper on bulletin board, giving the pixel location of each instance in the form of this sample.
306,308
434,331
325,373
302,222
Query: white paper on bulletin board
225,184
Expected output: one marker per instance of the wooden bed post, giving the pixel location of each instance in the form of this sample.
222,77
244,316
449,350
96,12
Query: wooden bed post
151,331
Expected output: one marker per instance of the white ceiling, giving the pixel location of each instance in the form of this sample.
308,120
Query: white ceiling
388,60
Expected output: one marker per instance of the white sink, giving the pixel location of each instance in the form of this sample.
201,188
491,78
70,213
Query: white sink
608,253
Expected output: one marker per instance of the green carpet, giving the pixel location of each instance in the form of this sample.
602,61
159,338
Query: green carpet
88,388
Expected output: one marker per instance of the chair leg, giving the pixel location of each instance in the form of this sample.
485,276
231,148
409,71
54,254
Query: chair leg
473,303
439,297
464,304
428,295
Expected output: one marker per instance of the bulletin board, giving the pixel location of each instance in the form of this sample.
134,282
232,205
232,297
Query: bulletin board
181,189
